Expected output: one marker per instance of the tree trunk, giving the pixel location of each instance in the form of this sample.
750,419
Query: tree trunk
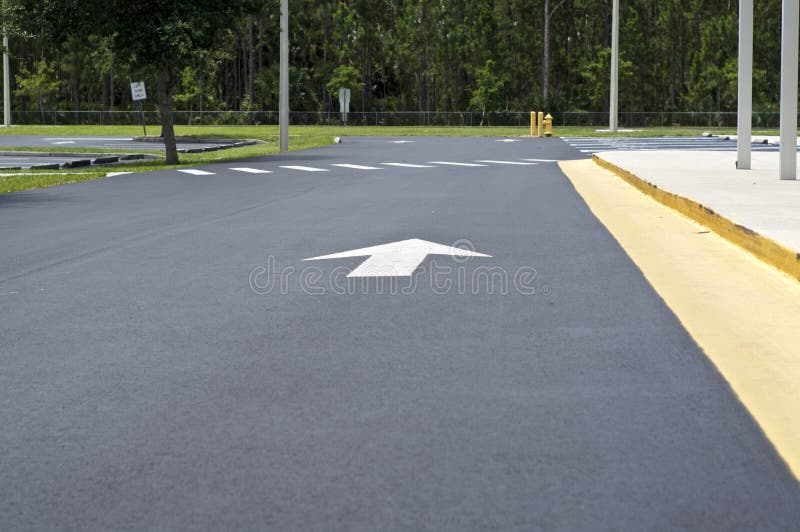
106,97
201,87
75,89
165,87
251,81
546,54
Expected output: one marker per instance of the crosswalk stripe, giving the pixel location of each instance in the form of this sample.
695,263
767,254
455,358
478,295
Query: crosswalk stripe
449,163
507,162
409,165
195,172
252,170
305,168
357,167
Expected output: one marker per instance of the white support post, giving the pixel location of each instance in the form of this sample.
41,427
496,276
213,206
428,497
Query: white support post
284,77
612,106
6,83
744,126
789,53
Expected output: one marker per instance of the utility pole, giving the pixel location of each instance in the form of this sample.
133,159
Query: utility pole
612,105
789,43
284,78
744,126
6,78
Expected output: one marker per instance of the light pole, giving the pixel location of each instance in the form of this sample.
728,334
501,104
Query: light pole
744,115
284,78
612,105
6,77
789,42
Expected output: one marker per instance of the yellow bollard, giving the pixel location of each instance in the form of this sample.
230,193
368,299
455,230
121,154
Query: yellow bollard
533,123
541,122
548,125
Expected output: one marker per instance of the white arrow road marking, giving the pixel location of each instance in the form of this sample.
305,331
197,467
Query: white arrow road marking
252,170
357,167
305,168
397,259
456,164
409,165
507,162
195,172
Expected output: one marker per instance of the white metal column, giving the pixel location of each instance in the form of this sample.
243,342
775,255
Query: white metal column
284,78
6,83
789,43
612,106
744,127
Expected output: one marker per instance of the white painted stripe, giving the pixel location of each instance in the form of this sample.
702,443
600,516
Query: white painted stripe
541,160
591,151
408,165
252,170
357,167
507,162
305,168
449,163
196,172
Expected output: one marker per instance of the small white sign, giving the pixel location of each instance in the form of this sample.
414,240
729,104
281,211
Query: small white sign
344,100
138,91
344,103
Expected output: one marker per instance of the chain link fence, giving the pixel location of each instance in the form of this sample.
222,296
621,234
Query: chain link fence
394,118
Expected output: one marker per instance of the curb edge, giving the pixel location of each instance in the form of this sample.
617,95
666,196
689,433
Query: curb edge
764,248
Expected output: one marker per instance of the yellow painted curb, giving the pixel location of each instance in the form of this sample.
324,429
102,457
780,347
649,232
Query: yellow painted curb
766,249
742,312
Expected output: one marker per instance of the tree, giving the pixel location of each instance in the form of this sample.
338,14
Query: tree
38,84
487,89
156,38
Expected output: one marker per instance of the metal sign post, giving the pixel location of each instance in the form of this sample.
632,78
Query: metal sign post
344,104
6,83
139,94
283,119
613,100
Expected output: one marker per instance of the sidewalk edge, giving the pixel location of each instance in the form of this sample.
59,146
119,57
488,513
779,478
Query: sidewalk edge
764,248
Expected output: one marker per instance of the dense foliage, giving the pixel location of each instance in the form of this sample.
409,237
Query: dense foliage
442,55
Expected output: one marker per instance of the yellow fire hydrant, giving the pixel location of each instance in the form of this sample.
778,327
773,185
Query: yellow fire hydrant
548,125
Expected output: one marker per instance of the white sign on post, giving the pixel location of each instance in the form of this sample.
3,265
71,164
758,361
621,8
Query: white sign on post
139,94
138,91
344,103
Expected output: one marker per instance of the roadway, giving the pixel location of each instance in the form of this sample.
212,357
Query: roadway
171,360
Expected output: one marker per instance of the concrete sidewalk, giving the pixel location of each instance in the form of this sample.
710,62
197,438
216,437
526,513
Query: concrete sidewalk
752,208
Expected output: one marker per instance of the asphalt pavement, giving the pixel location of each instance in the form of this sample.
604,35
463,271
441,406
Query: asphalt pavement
15,153
171,360
114,143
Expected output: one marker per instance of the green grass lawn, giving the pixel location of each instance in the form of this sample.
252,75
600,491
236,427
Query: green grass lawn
300,137
270,133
